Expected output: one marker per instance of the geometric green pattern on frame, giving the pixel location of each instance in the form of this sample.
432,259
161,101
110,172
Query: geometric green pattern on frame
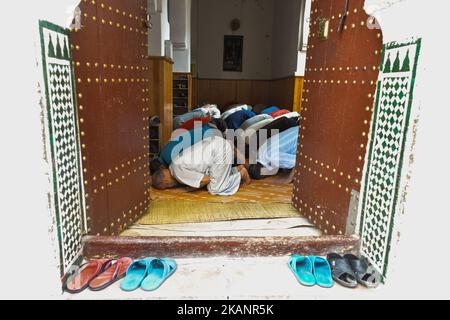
64,141
389,130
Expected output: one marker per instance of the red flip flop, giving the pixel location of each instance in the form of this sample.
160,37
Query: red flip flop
88,271
113,272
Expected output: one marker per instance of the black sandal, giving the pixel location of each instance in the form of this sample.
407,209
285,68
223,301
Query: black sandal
342,271
365,273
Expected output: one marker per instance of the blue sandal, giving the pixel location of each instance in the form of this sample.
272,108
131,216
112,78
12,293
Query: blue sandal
302,268
136,273
322,272
158,271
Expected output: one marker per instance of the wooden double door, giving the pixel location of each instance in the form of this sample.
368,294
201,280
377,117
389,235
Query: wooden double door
113,94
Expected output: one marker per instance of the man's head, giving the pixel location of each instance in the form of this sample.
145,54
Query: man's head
258,108
162,179
255,171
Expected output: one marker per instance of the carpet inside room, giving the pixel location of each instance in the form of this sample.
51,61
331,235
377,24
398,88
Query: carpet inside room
262,199
260,208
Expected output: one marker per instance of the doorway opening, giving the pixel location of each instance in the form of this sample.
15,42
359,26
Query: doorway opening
243,76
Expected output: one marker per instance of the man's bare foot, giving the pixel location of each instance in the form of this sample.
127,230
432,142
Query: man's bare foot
245,176
286,179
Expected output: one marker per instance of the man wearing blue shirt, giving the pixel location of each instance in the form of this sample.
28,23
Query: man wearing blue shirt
236,119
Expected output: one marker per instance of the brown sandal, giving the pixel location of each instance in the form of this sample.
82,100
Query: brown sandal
113,272
88,271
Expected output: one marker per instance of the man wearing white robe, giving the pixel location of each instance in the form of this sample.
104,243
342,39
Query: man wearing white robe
211,158
278,152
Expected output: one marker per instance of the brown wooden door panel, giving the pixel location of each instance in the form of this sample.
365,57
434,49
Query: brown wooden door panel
340,81
87,70
111,58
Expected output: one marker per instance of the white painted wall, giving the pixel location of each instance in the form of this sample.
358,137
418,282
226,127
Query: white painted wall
160,31
27,227
213,22
420,248
301,57
194,36
180,34
285,36
271,37
182,61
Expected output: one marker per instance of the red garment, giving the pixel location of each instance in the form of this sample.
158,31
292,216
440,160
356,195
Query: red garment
278,113
189,125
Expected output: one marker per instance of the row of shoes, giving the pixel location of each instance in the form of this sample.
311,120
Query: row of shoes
348,271
148,274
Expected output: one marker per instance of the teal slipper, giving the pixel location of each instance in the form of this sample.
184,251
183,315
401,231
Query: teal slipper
136,273
158,272
322,272
303,270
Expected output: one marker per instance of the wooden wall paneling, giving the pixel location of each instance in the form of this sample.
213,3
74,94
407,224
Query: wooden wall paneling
162,94
190,101
285,93
298,94
260,92
168,101
223,92
118,95
340,82
252,91
204,94
196,94
195,102
282,92
244,91
219,92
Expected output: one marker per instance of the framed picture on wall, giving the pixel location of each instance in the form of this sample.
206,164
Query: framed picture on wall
232,53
